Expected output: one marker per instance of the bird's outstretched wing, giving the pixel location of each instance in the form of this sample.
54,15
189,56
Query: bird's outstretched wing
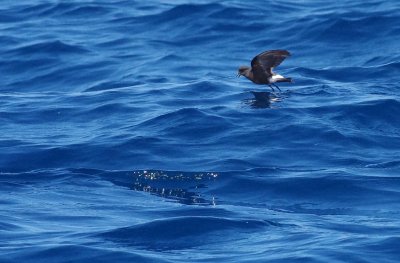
264,62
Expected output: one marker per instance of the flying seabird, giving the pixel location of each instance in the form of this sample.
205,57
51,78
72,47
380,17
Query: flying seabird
260,71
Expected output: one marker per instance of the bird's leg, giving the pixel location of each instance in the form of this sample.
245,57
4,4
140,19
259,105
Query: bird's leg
271,87
276,87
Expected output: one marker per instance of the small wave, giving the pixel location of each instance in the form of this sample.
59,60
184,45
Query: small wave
74,253
48,47
186,11
382,112
171,57
391,164
72,9
36,9
108,85
82,11
10,41
4,18
389,245
381,60
54,78
352,74
228,12
166,18
103,110
182,232
23,65
327,28
115,42
179,121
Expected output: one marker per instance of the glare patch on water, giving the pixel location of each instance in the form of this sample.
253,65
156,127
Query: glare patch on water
186,188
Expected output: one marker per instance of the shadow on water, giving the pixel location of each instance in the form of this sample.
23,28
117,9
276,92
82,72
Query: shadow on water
264,99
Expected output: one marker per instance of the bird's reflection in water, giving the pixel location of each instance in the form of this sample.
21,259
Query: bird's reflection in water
264,99
185,188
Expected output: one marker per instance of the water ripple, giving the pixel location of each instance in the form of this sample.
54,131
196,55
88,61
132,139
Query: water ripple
127,137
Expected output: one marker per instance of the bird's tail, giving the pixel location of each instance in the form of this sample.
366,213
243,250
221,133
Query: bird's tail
284,80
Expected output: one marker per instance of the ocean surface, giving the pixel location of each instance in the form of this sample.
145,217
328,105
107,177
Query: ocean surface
127,137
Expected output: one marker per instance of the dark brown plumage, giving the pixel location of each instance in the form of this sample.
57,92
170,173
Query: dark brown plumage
261,72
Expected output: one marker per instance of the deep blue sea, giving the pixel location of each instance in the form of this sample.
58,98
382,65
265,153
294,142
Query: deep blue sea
127,137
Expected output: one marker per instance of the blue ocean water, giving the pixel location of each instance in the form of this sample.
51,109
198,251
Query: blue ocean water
126,136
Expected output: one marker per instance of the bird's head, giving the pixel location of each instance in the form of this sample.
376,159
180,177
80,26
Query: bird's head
242,71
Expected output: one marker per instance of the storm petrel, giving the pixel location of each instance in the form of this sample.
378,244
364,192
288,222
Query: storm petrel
261,72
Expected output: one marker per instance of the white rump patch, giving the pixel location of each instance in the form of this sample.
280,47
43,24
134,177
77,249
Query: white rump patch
275,78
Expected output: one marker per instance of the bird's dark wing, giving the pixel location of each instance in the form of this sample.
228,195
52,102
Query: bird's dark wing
268,60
